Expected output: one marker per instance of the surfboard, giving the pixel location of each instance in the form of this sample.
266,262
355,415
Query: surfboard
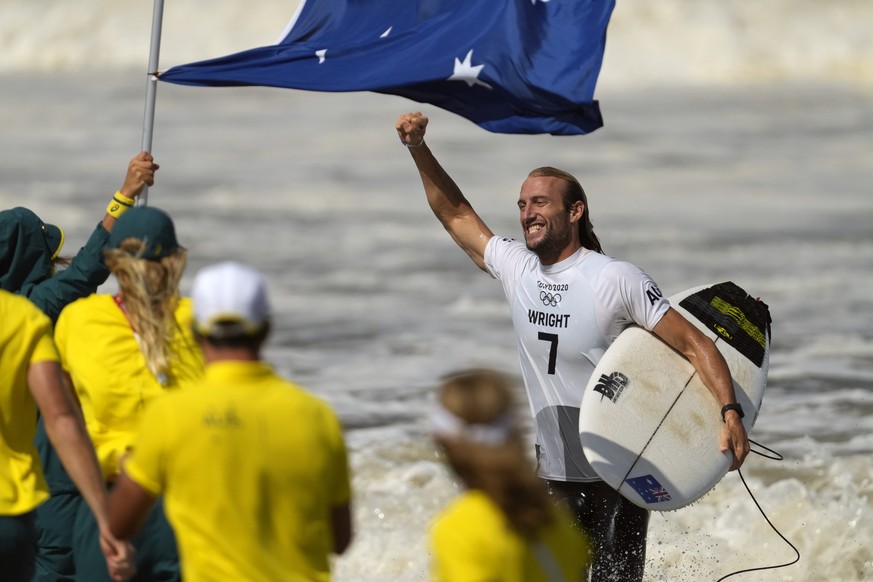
649,426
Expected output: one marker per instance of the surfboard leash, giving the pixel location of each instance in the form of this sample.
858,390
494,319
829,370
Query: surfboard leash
776,457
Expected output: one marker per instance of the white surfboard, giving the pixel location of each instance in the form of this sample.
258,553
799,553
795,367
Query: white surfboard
648,424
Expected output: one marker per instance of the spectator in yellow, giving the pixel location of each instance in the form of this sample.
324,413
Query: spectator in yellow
253,468
504,527
122,353
31,377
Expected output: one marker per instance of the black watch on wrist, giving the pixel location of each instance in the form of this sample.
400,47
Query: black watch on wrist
733,406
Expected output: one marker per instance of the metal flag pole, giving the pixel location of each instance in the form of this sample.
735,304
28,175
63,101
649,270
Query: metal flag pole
148,123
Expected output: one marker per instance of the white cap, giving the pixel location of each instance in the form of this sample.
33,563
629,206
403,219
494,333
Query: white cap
230,293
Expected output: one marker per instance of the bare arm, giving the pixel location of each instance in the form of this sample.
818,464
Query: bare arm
341,525
66,431
129,505
140,173
679,333
445,198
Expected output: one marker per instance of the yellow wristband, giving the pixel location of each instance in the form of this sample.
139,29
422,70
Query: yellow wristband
124,199
119,205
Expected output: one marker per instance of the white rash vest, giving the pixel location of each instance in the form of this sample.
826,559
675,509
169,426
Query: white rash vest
565,316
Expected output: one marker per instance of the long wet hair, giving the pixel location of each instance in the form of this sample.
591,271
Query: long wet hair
573,193
150,292
501,470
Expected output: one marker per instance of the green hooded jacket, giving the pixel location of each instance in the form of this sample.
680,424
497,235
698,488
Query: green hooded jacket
26,262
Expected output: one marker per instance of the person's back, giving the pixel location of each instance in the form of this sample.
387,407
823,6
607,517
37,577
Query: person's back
100,351
121,353
503,527
252,469
253,466
473,540
30,380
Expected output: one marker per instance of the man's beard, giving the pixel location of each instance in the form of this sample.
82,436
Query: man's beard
549,247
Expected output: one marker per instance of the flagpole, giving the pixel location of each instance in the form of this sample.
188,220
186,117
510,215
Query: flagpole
148,123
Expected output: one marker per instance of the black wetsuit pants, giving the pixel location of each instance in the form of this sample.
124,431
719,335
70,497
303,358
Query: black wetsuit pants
616,529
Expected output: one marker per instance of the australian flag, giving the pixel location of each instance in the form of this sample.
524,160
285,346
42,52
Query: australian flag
650,489
510,66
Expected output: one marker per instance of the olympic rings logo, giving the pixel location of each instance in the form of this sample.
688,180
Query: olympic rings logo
550,300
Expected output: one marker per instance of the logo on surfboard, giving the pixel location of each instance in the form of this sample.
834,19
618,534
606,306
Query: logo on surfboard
611,386
722,331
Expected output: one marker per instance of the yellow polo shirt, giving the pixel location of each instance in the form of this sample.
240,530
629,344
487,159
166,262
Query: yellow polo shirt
472,541
25,339
250,466
101,353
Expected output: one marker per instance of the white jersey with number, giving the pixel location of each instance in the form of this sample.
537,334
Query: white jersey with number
565,316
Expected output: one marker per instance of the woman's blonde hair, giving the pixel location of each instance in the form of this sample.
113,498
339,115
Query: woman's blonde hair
500,470
150,292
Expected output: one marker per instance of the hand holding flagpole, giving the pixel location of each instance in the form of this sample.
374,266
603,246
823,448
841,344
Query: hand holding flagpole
151,87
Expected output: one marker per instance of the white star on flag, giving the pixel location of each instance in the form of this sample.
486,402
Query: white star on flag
467,72
320,54
386,33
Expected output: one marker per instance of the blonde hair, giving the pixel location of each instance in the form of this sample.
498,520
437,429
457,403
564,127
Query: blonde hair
502,470
150,291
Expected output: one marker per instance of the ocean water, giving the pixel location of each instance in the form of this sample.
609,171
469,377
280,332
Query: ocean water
738,145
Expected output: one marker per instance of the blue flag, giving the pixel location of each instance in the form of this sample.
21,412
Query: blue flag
510,66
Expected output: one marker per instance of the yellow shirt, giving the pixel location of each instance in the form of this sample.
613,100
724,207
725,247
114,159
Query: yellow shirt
101,353
472,541
25,339
250,466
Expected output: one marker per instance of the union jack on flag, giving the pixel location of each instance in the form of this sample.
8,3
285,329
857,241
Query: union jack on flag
649,489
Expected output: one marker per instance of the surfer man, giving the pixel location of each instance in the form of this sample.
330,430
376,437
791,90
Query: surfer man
560,268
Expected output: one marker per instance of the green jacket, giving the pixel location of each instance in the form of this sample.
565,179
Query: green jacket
26,266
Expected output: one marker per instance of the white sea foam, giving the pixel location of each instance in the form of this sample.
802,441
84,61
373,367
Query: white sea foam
819,503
